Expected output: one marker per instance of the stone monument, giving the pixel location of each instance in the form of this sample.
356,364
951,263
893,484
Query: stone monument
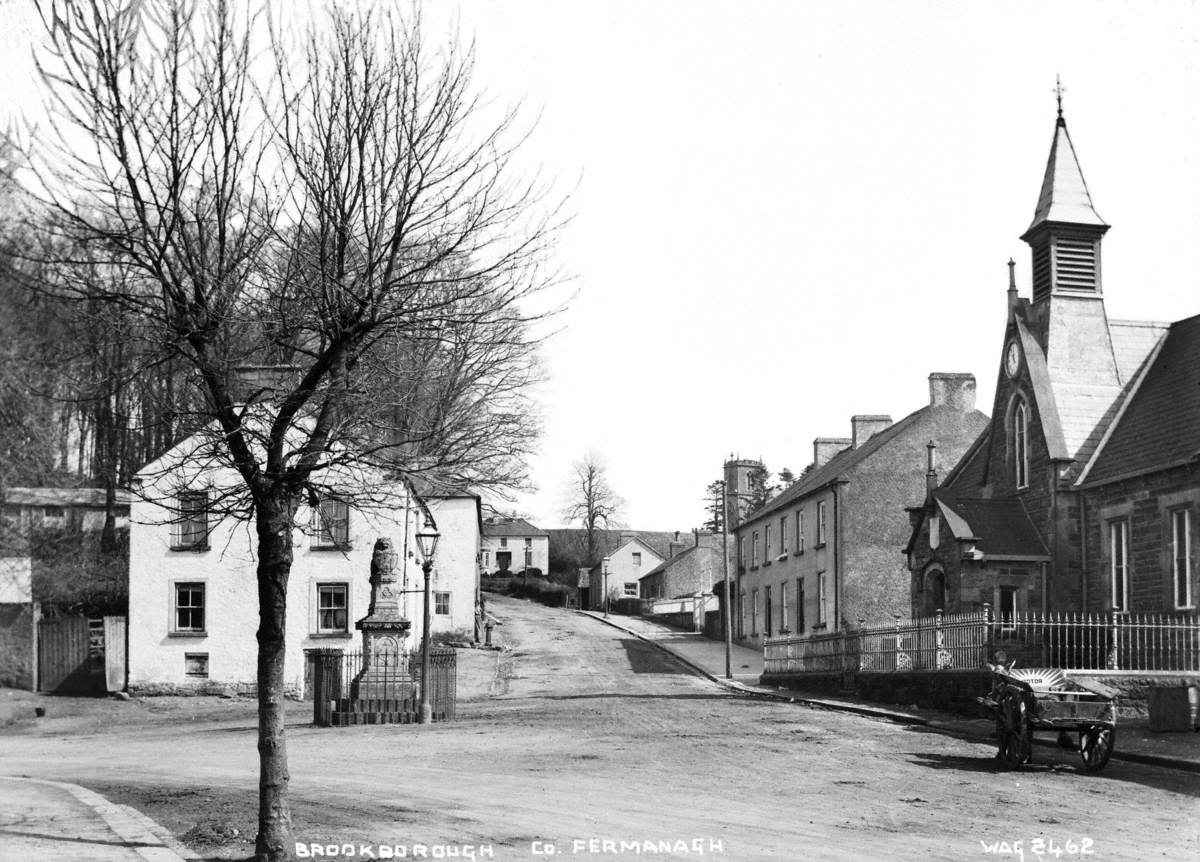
385,674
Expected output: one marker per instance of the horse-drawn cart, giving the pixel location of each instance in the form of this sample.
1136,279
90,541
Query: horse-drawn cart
1031,699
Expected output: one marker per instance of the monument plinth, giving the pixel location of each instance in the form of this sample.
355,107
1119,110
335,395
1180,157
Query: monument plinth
385,674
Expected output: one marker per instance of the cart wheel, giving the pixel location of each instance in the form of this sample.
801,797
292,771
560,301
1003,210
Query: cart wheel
1096,745
1012,727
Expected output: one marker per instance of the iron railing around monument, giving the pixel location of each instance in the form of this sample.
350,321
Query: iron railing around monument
345,692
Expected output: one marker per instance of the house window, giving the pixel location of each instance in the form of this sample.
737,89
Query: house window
1118,563
190,531
754,612
631,589
504,541
528,542
332,613
441,604
741,614
800,532
1006,608
195,665
799,605
822,611
783,614
189,607
783,535
1021,444
1181,557
637,558
487,559
754,550
53,513
742,552
767,543
820,523
331,525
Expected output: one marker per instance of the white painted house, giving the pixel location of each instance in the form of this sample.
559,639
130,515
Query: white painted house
632,559
513,545
193,596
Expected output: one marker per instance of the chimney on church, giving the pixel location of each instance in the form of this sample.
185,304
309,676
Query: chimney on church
954,390
824,448
931,476
862,428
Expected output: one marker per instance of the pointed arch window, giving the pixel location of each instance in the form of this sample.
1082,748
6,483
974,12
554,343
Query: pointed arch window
1020,443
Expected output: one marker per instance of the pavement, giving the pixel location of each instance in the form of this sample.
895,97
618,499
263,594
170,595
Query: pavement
57,820
1135,742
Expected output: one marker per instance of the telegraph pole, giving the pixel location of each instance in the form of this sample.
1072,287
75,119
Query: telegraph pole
724,501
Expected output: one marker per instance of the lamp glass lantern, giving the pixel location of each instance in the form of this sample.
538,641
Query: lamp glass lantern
427,541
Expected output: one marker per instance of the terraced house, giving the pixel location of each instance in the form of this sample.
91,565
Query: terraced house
1083,493
825,552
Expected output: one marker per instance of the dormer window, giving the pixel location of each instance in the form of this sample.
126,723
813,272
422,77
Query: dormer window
1020,444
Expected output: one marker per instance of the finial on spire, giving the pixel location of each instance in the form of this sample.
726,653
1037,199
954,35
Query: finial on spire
1059,89
1012,274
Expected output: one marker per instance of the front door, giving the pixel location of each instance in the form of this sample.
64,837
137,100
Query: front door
504,560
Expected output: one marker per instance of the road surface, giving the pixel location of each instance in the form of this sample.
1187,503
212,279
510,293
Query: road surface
585,743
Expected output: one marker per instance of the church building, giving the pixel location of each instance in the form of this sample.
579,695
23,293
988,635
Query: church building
1083,492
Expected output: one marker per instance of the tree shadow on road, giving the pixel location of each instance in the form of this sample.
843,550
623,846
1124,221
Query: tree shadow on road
624,696
644,658
1048,762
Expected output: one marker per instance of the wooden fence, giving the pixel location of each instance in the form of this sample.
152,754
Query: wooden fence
77,655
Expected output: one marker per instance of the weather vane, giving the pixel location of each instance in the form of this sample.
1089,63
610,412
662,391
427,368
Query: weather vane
1059,89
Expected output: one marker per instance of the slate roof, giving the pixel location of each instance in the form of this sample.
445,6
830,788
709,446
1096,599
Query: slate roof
92,498
570,539
1064,196
845,461
511,527
999,527
706,544
1133,341
1159,426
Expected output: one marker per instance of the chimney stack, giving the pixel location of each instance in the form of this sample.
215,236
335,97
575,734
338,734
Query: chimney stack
258,383
824,448
947,389
863,427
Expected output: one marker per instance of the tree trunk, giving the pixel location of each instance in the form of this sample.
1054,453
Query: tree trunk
274,525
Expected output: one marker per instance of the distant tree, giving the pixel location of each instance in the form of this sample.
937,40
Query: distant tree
714,507
786,478
592,503
761,489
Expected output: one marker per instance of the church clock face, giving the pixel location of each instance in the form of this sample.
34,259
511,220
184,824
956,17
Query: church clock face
1012,359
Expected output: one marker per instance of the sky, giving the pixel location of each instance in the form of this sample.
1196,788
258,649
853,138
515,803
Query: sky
785,214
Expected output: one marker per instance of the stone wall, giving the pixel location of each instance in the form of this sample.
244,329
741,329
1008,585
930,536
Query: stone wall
955,691
1146,501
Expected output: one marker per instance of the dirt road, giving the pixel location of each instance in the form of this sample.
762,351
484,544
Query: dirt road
579,732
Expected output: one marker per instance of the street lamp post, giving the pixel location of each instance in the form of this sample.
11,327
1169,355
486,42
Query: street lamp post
604,568
427,541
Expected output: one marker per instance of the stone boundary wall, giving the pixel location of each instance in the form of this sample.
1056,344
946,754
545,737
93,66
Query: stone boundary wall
955,691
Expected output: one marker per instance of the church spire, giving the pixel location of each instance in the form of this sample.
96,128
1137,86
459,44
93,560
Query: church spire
1066,229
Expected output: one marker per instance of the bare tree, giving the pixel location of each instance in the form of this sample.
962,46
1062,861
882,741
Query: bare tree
592,504
352,213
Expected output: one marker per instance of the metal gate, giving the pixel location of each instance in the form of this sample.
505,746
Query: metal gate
77,655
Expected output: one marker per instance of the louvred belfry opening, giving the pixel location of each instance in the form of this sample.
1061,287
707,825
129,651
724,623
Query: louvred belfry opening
1066,230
